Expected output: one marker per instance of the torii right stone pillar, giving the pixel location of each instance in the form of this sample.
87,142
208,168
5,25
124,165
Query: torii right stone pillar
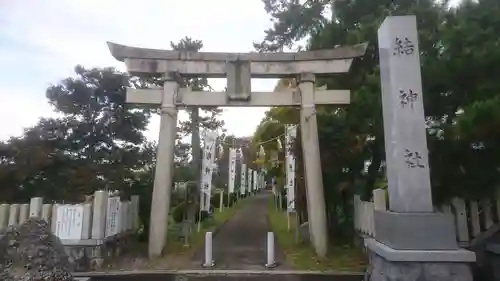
312,166
412,242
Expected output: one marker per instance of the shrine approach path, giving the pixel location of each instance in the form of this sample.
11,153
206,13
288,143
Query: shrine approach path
240,244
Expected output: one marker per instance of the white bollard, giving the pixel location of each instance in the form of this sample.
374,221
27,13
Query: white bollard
270,250
209,262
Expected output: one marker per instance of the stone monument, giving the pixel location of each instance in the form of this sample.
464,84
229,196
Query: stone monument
412,242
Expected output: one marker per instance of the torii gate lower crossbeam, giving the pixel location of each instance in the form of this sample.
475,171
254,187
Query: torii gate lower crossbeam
238,68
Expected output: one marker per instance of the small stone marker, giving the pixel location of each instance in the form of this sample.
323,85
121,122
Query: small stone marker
403,114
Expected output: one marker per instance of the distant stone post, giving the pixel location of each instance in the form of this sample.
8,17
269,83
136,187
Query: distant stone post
409,237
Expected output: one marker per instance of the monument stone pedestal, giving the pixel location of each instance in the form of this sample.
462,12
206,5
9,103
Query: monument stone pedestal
411,241
416,246
415,231
388,264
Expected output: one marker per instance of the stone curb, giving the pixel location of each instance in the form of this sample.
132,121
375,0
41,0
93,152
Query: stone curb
214,275
235,272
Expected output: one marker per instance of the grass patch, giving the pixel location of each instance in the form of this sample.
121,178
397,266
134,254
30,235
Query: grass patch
302,257
210,224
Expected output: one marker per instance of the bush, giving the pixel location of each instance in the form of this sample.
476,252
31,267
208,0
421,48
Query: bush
144,189
284,203
179,211
215,199
227,202
178,197
233,198
203,215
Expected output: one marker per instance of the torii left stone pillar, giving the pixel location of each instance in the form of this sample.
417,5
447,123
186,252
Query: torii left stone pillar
238,68
160,204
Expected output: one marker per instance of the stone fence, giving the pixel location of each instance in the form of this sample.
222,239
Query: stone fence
474,220
91,231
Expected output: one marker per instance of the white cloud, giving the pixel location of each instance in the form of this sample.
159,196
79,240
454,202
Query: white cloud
17,113
42,44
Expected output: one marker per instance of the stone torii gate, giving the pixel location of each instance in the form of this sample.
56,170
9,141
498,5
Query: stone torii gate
238,68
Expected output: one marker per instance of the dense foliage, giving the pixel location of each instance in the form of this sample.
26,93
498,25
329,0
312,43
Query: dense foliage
459,57
97,142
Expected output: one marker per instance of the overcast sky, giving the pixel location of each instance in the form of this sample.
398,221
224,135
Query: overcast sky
42,41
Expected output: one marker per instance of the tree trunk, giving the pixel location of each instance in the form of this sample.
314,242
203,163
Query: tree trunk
196,153
373,169
301,196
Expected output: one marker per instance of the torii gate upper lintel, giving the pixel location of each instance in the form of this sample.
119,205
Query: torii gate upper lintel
238,68
133,55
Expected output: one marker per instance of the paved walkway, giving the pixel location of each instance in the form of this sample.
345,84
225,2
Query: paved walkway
241,242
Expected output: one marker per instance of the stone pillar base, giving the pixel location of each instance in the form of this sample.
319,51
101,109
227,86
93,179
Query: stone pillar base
415,231
387,264
97,254
77,257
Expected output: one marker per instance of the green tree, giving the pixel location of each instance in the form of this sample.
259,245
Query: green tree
95,144
209,117
458,55
208,120
105,134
